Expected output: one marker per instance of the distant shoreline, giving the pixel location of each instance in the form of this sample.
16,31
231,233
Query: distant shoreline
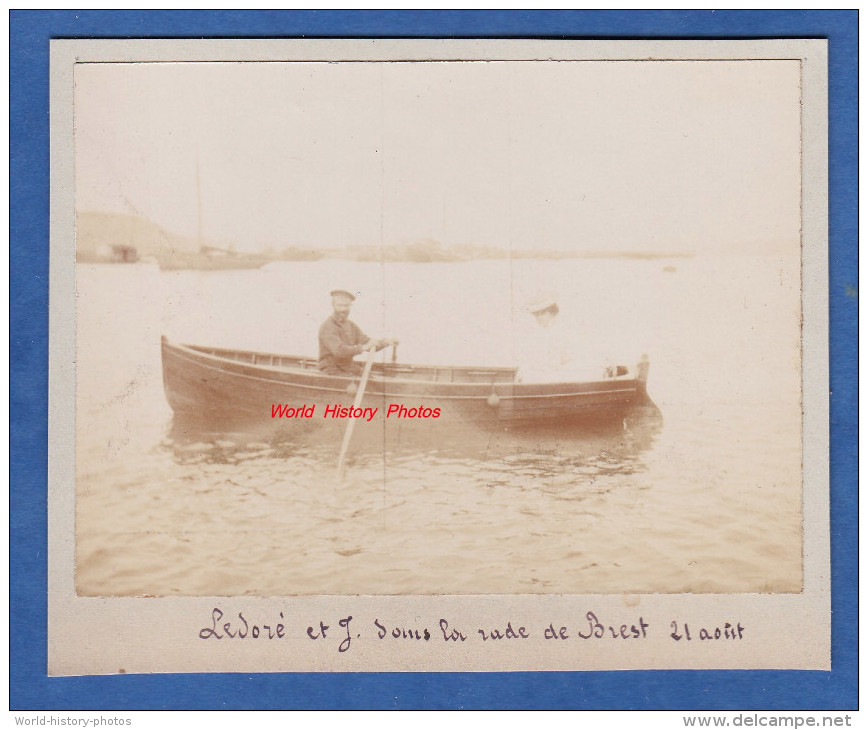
124,238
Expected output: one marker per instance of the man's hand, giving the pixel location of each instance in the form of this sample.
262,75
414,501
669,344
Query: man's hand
379,344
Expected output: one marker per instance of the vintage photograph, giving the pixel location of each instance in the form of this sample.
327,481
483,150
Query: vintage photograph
425,328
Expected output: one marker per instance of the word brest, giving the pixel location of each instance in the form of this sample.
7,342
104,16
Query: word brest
335,410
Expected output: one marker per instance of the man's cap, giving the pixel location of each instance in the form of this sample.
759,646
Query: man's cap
343,293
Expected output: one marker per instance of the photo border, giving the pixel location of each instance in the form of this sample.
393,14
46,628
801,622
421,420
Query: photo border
30,688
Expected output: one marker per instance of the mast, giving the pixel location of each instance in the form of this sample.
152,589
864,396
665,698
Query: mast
198,206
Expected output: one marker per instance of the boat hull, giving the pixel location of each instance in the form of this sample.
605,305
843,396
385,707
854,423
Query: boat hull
212,384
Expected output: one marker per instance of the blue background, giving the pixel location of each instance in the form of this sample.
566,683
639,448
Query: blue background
31,689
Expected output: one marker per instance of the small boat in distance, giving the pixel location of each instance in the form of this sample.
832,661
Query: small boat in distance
210,383
209,258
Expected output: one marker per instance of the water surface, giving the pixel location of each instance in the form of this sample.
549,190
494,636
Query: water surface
705,498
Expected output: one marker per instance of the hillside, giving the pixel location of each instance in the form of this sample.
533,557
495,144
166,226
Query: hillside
97,233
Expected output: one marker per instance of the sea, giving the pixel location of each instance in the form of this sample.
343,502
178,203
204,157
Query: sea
706,497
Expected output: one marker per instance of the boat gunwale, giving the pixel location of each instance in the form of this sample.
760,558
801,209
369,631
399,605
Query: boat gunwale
532,390
209,352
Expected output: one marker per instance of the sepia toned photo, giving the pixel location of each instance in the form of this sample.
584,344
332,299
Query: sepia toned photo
488,329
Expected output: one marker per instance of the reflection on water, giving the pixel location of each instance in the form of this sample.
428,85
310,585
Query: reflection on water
613,448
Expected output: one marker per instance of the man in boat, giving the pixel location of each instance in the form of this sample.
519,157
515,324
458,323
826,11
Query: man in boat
340,339
549,350
547,357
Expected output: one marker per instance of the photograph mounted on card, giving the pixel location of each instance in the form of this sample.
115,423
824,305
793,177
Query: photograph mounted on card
438,356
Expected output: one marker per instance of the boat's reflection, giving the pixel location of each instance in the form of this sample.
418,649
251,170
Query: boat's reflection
606,447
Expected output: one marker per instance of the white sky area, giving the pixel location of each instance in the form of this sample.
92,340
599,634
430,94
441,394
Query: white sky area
641,156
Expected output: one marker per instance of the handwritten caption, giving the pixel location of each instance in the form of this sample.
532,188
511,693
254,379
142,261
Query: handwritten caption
343,632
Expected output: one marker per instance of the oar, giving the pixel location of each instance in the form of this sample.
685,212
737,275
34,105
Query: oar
348,434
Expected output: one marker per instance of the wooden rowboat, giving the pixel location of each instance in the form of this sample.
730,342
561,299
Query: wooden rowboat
210,383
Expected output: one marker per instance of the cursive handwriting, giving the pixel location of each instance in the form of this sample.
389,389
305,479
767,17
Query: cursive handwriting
591,627
240,630
597,630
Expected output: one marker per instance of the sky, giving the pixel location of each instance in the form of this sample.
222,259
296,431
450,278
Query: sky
568,155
